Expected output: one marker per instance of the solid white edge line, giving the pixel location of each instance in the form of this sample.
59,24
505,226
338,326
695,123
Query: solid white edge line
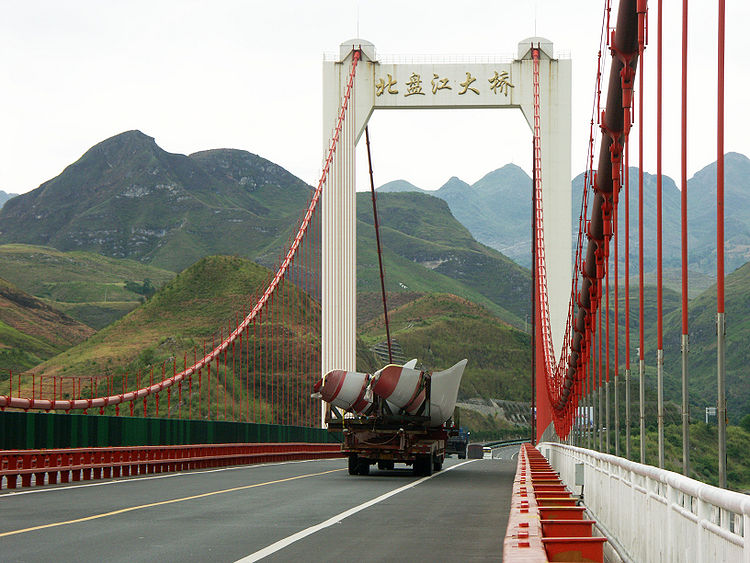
138,478
281,544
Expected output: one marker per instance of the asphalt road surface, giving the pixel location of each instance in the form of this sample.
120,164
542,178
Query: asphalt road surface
508,453
297,511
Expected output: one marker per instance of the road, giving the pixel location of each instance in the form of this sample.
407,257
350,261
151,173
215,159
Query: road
507,453
297,511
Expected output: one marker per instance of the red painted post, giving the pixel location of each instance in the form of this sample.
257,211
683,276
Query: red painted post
642,346
606,418
261,360
255,368
200,387
151,383
246,372
226,378
208,384
169,391
685,408
283,376
721,407
179,395
270,374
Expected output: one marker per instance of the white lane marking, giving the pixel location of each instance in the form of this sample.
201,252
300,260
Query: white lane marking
513,456
281,544
137,478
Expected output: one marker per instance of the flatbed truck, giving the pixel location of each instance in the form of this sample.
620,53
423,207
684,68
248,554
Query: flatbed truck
383,438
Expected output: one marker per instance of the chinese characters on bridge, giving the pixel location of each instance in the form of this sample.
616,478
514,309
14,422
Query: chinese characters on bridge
498,84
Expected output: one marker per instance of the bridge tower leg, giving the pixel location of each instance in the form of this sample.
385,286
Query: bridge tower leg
338,229
338,242
555,126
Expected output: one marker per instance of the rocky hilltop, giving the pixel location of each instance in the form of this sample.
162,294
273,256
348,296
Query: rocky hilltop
128,198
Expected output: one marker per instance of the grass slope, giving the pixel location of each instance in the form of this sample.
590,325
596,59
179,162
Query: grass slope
427,250
32,331
88,287
181,318
181,315
702,387
441,329
704,457
702,355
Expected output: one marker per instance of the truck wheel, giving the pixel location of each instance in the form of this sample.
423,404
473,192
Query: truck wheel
363,466
353,464
385,465
437,464
423,465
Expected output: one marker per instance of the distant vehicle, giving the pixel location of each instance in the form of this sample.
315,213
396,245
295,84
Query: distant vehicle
475,451
486,452
458,442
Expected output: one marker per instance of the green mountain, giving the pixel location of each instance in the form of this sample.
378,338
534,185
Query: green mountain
31,331
93,289
702,354
399,186
182,314
180,320
702,214
4,196
440,329
128,198
496,209
427,250
702,385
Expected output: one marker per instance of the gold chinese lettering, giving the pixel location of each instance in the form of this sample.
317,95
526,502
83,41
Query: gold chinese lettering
381,86
467,85
442,84
414,86
501,82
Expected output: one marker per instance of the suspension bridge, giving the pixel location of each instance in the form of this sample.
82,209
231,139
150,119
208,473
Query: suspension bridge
227,445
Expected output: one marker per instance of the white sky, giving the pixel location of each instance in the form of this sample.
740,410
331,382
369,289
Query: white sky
198,74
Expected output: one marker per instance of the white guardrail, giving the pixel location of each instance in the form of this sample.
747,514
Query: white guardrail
653,514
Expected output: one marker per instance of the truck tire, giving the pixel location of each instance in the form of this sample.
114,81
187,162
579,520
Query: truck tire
437,463
363,466
353,464
385,465
423,465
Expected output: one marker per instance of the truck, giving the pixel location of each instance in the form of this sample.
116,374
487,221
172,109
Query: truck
384,441
397,415
458,442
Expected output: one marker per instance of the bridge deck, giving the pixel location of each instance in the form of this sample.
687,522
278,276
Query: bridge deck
458,514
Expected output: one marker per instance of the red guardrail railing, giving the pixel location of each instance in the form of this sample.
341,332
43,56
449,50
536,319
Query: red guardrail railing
545,522
83,464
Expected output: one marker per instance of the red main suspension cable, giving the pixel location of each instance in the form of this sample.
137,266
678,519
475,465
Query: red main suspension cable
166,383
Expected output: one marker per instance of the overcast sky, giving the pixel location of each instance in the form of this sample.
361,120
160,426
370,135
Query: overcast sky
198,74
